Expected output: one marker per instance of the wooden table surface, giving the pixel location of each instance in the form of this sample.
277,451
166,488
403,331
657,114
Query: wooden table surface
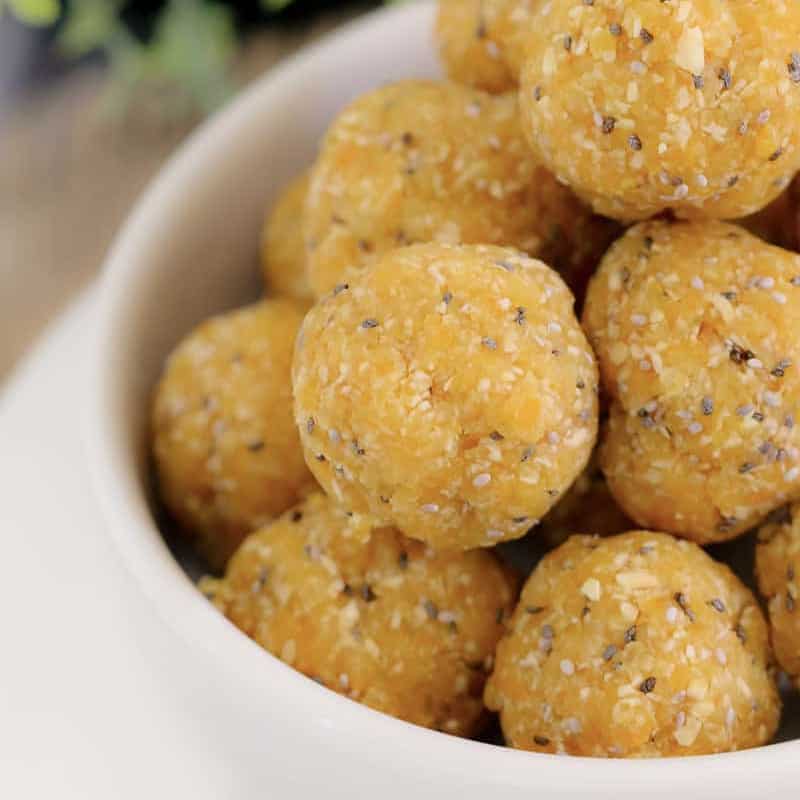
68,178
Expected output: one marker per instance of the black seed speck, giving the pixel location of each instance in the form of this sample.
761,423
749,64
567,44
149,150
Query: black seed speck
647,685
717,605
430,609
608,124
369,323
680,599
725,76
543,741
630,634
634,142
646,36
367,594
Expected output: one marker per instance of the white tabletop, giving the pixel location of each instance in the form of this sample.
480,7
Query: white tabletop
97,698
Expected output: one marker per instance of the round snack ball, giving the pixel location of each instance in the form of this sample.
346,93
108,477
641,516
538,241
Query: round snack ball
643,106
448,391
370,613
468,46
696,327
639,645
423,161
283,252
226,448
777,570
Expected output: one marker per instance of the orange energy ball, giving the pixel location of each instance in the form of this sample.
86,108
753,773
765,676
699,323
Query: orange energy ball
283,252
226,449
469,47
696,327
425,161
449,391
638,645
777,571
370,613
643,106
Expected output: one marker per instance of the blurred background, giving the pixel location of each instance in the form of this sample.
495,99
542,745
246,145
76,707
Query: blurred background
94,96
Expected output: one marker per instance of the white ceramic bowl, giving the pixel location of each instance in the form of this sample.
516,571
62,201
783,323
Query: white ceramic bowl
190,249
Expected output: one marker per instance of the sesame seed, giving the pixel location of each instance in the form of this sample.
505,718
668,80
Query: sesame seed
430,508
481,480
721,657
707,404
615,29
695,428
744,411
698,283
609,652
487,341
567,667
791,475
698,81
672,614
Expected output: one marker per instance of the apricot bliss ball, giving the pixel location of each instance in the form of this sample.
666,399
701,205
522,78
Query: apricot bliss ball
777,570
449,391
696,327
283,253
642,106
423,161
370,613
226,449
639,645
469,46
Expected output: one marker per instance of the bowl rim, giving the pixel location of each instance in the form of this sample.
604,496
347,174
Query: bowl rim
176,599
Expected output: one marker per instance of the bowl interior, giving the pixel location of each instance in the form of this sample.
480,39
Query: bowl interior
191,250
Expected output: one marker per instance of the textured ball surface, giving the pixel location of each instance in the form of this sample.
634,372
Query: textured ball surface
642,106
448,390
777,568
283,251
226,449
370,613
696,327
638,645
427,161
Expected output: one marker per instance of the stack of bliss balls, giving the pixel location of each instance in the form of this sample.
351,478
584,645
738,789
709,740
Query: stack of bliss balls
552,297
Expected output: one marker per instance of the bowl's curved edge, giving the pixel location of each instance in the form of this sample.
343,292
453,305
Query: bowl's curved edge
339,724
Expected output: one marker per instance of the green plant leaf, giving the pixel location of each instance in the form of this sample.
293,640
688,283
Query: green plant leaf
274,6
89,25
35,12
